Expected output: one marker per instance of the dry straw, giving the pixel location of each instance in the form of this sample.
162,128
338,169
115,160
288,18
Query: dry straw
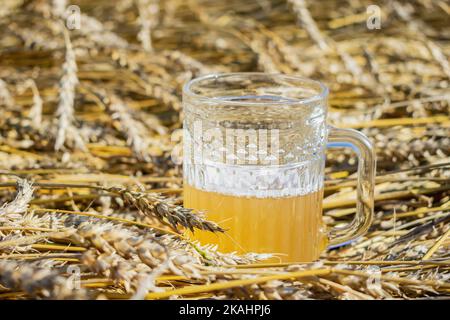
88,181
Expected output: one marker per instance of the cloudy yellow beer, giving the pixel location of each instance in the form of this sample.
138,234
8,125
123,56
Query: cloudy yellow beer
290,227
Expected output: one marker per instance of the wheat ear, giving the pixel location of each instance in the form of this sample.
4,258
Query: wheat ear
65,110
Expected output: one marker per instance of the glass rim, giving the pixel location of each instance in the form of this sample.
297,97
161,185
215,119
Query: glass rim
320,95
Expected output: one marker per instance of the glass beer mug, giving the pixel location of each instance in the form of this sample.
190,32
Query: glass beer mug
253,162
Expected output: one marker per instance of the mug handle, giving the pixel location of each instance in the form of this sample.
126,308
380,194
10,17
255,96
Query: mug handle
357,141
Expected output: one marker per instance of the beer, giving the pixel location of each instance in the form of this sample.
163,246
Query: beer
253,161
289,227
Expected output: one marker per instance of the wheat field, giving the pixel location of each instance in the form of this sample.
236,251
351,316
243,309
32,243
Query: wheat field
91,203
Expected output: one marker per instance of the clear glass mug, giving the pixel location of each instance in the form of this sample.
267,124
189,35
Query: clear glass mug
253,161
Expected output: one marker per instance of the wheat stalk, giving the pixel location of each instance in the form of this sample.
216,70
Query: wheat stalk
133,130
157,206
304,17
38,282
415,26
148,15
21,201
36,109
65,109
186,61
324,43
127,249
93,29
5,96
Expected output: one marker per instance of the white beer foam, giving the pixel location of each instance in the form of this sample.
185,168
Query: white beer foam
260,181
